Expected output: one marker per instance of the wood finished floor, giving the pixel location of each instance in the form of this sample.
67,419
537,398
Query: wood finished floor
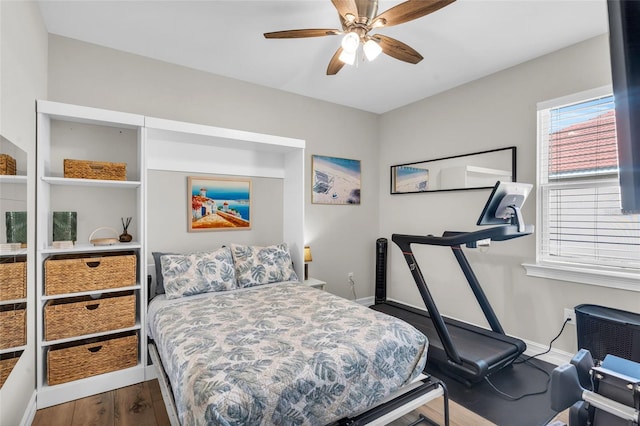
142,405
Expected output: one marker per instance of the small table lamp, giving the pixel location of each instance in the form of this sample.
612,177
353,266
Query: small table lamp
307,258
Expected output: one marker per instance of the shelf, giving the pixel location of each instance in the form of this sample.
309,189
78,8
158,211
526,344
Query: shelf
14,349
88,293
91,183
57,394
46,344
12,253
12,301
90,248
13,179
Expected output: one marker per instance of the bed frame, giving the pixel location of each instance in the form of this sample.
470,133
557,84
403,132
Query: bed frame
419,392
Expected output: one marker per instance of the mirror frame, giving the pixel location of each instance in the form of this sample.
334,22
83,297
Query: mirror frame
453,160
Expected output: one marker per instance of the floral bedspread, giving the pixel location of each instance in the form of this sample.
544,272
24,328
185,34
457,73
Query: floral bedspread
281,354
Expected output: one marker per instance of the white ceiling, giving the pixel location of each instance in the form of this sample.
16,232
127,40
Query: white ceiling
464,41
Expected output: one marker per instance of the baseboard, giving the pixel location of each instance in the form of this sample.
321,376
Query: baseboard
30,412
554,356
150,372
366,301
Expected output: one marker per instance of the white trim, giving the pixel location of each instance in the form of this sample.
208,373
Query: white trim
30,412
365,301
576,97
554,356
602,276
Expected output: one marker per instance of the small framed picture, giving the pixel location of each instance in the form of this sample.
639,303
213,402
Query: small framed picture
410,179
218,204
335,180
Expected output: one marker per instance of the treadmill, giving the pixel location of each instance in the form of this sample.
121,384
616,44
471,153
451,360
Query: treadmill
463,351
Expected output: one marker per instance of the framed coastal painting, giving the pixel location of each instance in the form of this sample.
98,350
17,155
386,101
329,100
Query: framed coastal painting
218,204
335,180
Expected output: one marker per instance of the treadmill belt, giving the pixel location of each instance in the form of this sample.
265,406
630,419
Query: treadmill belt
472,343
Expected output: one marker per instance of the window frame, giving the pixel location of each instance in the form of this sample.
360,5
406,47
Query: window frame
606,276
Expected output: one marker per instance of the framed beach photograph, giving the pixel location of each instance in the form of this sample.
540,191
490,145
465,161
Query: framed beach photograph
335,180
410,179
218,204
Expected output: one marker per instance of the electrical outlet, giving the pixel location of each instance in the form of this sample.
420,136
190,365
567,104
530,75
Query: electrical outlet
570,314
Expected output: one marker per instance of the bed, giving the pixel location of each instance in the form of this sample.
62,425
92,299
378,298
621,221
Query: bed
276,352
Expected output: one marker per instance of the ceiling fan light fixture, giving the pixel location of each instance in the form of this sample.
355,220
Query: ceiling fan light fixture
372,49
348,58
350,42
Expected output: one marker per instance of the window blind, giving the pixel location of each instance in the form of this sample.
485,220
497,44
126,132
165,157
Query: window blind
581,219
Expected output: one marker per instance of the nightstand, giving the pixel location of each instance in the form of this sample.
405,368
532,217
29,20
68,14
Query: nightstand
313,282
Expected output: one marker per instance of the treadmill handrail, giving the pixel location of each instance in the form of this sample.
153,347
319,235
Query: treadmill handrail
452,238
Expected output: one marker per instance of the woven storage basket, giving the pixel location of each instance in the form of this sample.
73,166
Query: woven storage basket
76,274
7,165
90,359
13,328
84,315
95,170
6,365
13,280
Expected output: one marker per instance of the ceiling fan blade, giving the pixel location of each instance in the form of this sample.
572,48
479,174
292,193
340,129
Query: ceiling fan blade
335,64
408,11
398,49
302,33
346,7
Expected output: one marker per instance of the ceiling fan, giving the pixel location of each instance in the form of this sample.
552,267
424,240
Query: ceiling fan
358,18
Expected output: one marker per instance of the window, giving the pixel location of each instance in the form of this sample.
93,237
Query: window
580,221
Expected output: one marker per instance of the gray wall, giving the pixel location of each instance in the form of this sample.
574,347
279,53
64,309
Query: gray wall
341,237
492,112
167,215
23,62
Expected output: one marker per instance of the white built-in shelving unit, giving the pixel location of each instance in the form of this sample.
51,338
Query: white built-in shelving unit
144,143
81,133
13,190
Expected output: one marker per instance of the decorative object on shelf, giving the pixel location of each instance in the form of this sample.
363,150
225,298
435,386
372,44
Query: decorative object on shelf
219,204
65,226
307,259
7,165
125,237
476,170
335,180
16,227
83,169
104,241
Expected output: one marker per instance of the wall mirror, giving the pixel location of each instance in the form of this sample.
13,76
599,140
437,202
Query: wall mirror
468,171
13,255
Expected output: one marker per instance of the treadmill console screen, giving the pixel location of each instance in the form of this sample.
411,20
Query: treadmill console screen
504,199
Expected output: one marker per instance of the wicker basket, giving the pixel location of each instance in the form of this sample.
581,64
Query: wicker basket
6,365
95,170
73,274
13,327
13,280
65,364
83,315
7,165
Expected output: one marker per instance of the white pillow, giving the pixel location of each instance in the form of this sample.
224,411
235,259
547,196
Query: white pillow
195,273
262,265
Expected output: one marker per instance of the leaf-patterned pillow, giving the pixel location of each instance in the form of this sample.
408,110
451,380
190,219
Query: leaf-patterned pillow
195,273
262,265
